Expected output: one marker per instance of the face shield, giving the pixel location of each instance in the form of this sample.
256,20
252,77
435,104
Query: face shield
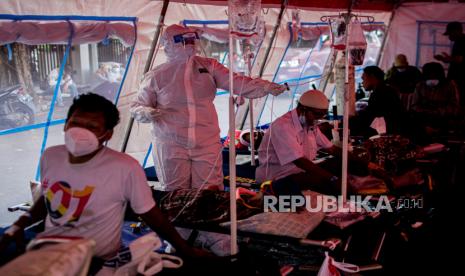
186,39
179,42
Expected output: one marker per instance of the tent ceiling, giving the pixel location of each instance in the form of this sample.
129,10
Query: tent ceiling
374,5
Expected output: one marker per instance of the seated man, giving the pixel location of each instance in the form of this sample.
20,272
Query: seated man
86,186
384,102
436,101
403,77
67,84
291,144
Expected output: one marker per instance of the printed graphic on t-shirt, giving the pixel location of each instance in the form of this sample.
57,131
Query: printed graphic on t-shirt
64,204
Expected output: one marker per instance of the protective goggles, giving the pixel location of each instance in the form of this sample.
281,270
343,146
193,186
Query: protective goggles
186,38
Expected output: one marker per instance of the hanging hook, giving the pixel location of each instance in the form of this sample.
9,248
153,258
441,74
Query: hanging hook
266,12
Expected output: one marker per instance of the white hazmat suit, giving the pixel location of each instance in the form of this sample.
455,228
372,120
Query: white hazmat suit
177,97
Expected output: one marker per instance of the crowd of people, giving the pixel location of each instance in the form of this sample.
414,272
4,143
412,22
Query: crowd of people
417,103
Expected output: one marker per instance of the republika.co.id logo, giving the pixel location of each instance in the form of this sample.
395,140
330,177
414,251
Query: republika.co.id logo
328,204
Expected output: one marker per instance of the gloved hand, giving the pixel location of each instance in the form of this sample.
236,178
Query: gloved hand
144,114
276,89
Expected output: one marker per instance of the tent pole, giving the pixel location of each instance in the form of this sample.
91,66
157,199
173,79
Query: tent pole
148,64
329,67
248,57
386,35
345,119
232,148
265,59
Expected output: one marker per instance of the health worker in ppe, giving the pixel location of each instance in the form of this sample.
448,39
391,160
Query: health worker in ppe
177,98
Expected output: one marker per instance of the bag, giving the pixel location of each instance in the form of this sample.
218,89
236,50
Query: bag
357,44
330,267
237,142
338,33
140,258
379,124
393,153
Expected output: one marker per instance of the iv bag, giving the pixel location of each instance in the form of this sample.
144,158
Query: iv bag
244,16
296,27
357,44
338,33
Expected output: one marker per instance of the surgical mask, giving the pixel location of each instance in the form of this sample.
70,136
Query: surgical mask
80,141
302,120
432,82
401,70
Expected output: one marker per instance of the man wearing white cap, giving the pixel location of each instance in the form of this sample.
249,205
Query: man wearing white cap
291,144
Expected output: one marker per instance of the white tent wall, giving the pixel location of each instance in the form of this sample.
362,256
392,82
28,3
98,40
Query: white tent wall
15,184
177,12
403,35
147,13
283,37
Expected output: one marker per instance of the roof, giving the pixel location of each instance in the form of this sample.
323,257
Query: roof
373,5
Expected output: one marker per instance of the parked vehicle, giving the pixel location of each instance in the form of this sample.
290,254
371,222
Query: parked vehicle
16,107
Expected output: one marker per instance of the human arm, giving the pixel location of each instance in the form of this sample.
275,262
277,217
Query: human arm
15,233
445,57
452,108
243,85
140,196
157,221
313,169
143,108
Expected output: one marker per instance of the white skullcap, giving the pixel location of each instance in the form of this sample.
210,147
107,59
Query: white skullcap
314,99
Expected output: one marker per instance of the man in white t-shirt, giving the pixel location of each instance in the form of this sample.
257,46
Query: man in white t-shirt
291,144
86,186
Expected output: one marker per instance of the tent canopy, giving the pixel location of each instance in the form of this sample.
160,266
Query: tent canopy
370,5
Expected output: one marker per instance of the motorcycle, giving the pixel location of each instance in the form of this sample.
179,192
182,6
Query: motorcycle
16,107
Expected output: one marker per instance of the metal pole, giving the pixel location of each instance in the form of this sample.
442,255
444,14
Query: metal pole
232,149
329,67
345,131
252,134
386,34
148,64
267,53
248,57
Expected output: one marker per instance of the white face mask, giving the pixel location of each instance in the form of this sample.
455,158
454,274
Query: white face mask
432,82
80,141
302,120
